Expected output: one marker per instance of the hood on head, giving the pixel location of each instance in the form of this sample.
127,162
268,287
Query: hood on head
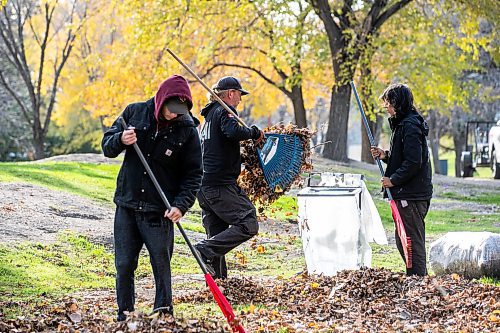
174,86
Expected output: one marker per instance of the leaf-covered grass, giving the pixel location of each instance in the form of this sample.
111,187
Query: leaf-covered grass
72,263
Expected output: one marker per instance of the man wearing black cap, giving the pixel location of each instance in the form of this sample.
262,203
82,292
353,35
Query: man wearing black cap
166,133
229,217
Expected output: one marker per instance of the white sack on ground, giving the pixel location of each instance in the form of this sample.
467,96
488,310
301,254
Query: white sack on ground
470,254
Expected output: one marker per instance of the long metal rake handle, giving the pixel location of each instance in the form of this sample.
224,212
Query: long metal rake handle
370,136
224,105
165,200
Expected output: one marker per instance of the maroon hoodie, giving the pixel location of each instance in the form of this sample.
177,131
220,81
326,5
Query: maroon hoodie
176,85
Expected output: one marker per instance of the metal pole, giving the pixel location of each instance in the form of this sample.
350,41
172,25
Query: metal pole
224,105
370,136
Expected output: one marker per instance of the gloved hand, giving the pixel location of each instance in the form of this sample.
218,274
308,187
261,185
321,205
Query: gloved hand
257,134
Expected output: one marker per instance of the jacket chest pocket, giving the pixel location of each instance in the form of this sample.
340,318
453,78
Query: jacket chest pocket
167,151
141,129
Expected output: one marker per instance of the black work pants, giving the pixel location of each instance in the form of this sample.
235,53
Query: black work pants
413,214
229,218
132,229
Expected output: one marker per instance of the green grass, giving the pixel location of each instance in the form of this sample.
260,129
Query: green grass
387,256
96,181
482,198
284,208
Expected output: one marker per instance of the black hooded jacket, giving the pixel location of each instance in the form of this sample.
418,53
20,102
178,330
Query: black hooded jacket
220,136
408,164
173,153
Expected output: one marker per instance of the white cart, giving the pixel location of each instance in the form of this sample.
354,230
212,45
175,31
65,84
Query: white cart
336,223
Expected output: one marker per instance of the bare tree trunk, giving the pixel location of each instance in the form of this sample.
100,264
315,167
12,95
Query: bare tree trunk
434,142
376,128
434,139
458,119
299,109
337,124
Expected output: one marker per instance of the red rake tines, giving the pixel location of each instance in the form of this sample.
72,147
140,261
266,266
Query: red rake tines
224,305
405,240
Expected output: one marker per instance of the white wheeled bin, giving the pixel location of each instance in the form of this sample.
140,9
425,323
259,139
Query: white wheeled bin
332,227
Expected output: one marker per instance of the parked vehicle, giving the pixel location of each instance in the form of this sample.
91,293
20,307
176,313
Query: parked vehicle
482,148
494,148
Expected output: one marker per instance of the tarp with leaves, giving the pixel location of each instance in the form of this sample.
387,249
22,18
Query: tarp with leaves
252,178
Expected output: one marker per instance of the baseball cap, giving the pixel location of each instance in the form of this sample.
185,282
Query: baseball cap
230,82
176,105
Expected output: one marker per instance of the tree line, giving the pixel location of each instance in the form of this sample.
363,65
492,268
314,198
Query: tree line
67,68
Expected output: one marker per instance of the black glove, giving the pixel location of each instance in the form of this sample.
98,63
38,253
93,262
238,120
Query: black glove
256,132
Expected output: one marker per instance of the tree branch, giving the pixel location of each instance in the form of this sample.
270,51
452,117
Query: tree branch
43,47
334,32
6,85
388,13
68,46
258,72
17,49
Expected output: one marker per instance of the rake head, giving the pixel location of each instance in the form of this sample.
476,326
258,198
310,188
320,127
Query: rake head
280,159
224,305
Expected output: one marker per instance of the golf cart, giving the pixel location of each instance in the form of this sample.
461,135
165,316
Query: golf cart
477,147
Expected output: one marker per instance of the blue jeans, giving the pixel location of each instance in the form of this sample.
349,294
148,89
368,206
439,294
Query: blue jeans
133,229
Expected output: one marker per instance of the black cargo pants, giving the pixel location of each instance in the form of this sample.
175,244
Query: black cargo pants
229,218
413,213
132,229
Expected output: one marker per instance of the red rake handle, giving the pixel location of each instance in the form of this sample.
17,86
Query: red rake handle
400,228
405,240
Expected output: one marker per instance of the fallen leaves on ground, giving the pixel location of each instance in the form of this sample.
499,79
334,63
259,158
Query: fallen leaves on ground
367,300
252,177
90,315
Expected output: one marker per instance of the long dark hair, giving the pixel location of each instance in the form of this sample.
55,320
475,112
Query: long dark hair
400,97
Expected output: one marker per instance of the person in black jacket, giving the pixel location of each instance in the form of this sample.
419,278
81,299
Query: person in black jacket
408,174
229,217
166,133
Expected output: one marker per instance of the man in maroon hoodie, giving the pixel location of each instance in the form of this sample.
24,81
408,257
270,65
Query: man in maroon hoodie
166,133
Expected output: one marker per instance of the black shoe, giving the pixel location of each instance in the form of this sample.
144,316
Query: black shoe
121,317
165,310
206,261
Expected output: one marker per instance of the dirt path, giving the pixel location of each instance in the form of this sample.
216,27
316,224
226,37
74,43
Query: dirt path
34,213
